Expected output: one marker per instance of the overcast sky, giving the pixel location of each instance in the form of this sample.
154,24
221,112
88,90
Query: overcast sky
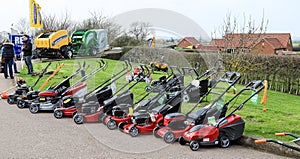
209,14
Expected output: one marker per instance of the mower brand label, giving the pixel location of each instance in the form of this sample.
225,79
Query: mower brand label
206,139
61,89
58,39
67,101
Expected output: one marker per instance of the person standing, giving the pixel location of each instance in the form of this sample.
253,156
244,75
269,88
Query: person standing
27,53
14,63
8,55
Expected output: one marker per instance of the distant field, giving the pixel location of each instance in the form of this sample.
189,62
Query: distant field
282,115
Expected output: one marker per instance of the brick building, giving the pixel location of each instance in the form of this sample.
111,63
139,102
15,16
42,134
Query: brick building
189,42
192,43
268,43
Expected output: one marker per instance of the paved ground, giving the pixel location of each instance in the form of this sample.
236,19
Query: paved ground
26,135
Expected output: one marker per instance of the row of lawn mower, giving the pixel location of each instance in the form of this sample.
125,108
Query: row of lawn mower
37,100
209,121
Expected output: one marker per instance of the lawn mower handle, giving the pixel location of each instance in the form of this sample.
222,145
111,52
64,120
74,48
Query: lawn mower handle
207,73
256,84
135,83
189,69
287,133
224,78
175,68
277,142
172,71
111,80
260,141
152,90
161,93
280,134
230,77
252,83
84,78
41,75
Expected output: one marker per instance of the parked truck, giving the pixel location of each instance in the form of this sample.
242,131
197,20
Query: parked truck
53,44
89,41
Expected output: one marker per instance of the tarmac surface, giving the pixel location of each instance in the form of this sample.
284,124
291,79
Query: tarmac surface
26,135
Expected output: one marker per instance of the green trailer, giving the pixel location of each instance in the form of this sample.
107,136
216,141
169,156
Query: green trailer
89,41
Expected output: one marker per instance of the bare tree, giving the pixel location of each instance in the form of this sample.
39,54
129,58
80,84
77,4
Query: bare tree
140,30
99,21
22,26
238,39
52,22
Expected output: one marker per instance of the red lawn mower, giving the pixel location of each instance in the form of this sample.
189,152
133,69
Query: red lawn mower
175,124
94,112
297,141
224,130
144,121
71,104
97,102
50,99
141,74
67,104
122,113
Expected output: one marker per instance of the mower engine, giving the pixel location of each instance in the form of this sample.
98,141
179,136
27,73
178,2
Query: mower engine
90,108
121,110
125,98
33,94
142,118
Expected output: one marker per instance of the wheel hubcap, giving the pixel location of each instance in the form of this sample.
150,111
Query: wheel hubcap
111,124
58,113
169,137
134,131
225,142
21,104
10,101
78,119
34,108
194,145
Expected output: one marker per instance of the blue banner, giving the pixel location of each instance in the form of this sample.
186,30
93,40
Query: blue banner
17,40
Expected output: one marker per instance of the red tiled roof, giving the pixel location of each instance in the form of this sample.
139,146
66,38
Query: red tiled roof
247,40
274,42
207,47
217,42
192,41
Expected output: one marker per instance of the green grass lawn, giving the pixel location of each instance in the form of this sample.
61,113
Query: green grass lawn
282,115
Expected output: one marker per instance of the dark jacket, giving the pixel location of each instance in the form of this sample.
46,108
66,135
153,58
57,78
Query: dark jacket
27,50
8,51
